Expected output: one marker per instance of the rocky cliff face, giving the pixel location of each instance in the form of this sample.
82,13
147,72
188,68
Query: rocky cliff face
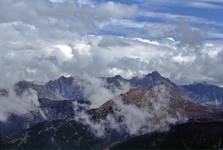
64,88
150,80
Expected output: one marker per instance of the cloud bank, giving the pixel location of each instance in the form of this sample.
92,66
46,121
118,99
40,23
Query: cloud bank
42,40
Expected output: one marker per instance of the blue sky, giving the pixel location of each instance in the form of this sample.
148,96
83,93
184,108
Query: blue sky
210,11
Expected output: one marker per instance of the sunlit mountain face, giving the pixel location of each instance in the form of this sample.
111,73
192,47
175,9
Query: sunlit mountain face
118,74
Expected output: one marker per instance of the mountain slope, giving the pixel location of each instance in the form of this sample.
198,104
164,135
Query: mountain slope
72,88
205,93
70,134
48,110
150,80
60,134
61,88
153,101
144,110
190,135
148,98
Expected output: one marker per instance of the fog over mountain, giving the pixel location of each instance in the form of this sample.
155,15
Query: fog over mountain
117,68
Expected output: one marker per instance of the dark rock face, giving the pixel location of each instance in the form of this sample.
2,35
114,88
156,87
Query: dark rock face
42,125
70,88
61,109
60,134
70,134
63,88
191,135
146,81
116,80
159,112
205,93
22,86
176,104
48,110
66,87
14,124
150,80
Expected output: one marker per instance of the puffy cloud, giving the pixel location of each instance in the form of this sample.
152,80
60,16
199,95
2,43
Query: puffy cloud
19,105
92,85
153,115
35,35
41,40
206,4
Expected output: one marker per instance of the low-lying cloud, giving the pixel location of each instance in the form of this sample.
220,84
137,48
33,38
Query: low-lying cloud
19,105
153,115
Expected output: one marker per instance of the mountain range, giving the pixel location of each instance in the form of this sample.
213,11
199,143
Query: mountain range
151,104
67,88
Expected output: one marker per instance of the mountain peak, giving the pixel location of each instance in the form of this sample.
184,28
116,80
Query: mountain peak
151,79
115,81
118,76
155,74
64,78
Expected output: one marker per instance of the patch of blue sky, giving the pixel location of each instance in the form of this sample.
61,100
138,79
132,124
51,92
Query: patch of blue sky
141,19
108,32
210,14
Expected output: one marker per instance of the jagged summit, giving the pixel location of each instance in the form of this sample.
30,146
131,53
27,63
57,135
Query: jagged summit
151,79
160,104
64,79
146,81
114,82
61,88
116,77
60,81
153,96
155,74
66,87
71,87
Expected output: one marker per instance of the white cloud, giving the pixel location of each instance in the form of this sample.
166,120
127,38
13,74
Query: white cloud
64,52
40,40
18,105
206,4
176,17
